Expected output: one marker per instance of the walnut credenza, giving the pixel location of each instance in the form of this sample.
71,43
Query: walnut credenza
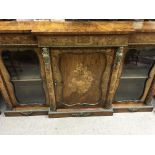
73,69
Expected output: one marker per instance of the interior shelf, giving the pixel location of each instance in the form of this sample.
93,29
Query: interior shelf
26,80
140,73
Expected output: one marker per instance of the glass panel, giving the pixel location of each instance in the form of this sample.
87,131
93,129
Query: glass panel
137,65
22,64
23,67
29,92
130,89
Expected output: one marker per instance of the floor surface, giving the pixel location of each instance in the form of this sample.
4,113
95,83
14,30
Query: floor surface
119,123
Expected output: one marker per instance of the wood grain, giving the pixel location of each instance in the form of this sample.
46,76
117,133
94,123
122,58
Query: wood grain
57,77
78,72
43,75
49,77
80,113
151,92
140,38
81,76
82,40
106,75
116,74
66,27
131,106
16,39
5,93
7,78
148,83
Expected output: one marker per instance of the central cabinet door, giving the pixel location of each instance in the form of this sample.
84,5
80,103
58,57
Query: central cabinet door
81,76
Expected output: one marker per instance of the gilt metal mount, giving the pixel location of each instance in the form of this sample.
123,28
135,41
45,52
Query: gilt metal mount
119,54
45,53
46,57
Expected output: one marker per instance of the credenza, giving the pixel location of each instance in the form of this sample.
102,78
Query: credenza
77,68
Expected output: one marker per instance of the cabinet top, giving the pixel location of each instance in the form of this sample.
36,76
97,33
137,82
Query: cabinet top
77,27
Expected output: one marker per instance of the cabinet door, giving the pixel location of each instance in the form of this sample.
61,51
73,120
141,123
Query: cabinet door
137,75
21,70
81,76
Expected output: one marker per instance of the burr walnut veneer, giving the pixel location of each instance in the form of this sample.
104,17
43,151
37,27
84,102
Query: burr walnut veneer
69,69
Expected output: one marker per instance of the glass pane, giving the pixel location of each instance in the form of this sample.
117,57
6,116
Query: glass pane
137,65
138,62
23,67
29,92
22,64
130,89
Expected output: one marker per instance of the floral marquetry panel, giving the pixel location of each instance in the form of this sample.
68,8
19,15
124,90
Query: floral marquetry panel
82,76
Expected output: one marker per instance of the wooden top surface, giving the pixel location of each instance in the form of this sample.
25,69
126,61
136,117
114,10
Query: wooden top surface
74,27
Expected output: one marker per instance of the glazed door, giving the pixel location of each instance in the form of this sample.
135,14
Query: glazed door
137,75
81,76
22,73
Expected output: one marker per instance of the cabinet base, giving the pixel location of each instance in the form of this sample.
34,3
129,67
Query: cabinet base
80,112
27,112
131,107
85,112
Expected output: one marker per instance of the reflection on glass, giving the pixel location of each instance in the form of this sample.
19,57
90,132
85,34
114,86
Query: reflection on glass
23,67
29,92
137,66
